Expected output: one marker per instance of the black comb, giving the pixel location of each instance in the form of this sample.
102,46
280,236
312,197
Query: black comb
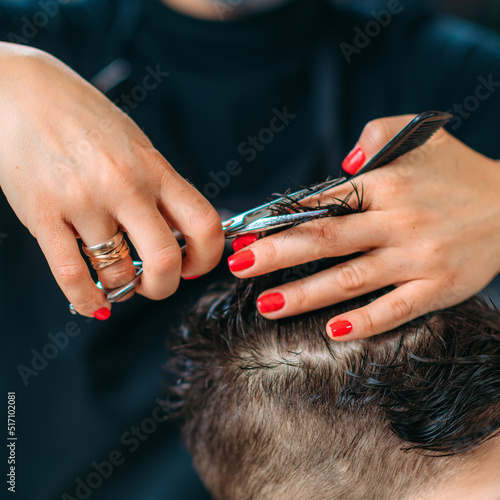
416,133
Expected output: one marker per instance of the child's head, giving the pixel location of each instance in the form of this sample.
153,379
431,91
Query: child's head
278,410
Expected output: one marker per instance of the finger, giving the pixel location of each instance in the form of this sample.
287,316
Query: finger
352,279
118,274
405,303
328,237
157,247
375,135
60,247
191,214
347,194
96,229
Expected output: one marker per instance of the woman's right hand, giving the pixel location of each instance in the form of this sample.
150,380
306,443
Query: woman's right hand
73,164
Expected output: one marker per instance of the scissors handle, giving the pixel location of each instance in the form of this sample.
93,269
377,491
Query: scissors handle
118,293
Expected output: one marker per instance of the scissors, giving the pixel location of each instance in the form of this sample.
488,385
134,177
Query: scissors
263,218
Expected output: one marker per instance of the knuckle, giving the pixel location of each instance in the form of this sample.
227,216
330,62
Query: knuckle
151,155
327,236
433,254
166,259
375,133
438,299
445,293
269,250
367,321
125,182
351,278
328,230
71,274
400,309
299,295
211,224
123,176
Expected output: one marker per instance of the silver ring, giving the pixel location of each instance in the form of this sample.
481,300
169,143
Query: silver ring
104,248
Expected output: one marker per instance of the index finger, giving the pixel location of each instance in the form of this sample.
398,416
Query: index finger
190,213
321,238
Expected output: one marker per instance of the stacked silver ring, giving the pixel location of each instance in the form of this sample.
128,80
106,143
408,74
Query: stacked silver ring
108,253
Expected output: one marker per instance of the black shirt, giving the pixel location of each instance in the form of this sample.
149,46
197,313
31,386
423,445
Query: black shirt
248,108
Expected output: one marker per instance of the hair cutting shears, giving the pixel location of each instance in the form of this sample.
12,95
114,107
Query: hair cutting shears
264,217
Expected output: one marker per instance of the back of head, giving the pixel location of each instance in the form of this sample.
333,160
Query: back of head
276,409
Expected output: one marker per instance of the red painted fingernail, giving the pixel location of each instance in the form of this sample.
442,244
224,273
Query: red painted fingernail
102,314
243,241
191,278
341,328
241,260
354,160
271,302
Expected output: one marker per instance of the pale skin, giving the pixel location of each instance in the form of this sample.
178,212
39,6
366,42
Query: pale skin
122,182
476,479
202,9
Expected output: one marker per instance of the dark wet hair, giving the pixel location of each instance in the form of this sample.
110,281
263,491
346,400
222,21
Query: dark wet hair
276,409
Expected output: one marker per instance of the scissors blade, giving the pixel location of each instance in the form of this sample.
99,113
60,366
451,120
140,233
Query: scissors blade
277,221
239,224
314,190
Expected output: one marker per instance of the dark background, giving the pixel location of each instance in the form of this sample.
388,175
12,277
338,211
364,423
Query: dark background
484,11
134,360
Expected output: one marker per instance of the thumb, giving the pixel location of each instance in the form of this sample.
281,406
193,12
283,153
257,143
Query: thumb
375,135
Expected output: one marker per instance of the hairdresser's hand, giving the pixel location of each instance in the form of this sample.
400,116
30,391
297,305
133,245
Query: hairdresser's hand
72,164
431,228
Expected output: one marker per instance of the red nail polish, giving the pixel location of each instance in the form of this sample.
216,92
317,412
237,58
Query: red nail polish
340,328
191,278
354,160
243,241
102,314
241,260
271,302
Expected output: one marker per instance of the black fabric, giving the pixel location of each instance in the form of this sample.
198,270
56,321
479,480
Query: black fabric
226,82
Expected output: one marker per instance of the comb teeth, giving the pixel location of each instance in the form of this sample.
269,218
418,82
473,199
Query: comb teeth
415,134
419,138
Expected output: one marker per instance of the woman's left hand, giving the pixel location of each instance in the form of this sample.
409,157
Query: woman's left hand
431,227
